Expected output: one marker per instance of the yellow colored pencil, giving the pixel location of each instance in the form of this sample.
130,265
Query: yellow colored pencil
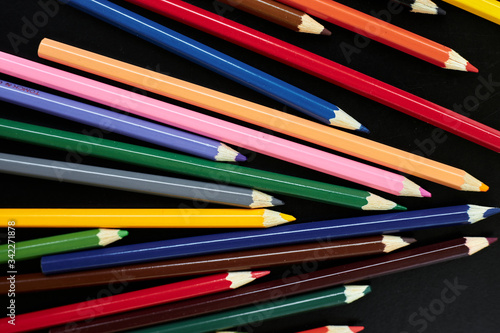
142,218
488,9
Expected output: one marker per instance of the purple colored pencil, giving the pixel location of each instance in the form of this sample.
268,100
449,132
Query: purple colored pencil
118,123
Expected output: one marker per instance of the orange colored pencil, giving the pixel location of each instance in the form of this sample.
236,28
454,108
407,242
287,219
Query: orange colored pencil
260,115
383,32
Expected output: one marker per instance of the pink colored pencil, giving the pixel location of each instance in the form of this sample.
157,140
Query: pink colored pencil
209,126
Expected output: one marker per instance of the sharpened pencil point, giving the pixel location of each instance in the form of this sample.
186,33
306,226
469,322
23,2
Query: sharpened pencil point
228,154
441,11
272,218
471,68
484,188
425,193
491,212
277,202
410,189
240,158
356,329
259,274
408,240
122,233
399,207
392,243
287,217
492,240
363,129
326,32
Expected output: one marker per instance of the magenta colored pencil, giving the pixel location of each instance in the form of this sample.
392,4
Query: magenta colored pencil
209,126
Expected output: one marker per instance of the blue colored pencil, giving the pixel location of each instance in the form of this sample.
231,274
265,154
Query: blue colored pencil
218,62
282,235
118,123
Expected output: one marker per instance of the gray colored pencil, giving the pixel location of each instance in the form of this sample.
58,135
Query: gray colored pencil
135,181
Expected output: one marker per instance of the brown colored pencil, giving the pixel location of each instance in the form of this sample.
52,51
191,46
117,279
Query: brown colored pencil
289,285
280,14
232,261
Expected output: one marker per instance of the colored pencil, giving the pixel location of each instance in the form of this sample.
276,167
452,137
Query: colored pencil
422,6
264,311
290,285
192,166
129,301
210,264
209,126
143,218
281,235
335,329
109,121
259,115
134,181
219,62
487,9
281,14
326,69
383,32
36,248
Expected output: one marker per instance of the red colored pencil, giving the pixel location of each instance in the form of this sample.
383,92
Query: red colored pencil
129,301
327,70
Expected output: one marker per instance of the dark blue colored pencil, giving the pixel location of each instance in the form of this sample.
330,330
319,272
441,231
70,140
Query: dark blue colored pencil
282,235
218,62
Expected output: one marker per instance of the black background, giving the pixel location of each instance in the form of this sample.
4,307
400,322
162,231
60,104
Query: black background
394,298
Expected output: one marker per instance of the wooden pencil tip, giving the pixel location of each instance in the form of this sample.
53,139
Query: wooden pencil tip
228,154
392,243
399,207
483,188
409,240
326,32
262,200
491,240
410,189
374,202
259,274
287,217
272,218
356,329
471,68
476,244
425,194
239,279
240,158
363,129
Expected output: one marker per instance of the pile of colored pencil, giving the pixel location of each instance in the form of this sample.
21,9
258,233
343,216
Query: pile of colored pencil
176,273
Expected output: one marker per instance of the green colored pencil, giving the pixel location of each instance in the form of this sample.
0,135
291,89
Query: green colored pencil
263,311
193,166
57,244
